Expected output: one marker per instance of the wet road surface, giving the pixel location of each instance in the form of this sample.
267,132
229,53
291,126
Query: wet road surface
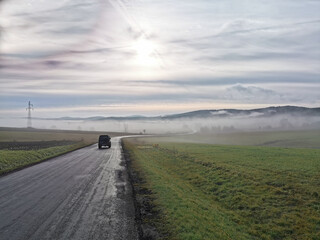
84,194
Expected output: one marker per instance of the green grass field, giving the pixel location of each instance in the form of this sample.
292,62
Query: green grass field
30,146
292,139
203,191
12,160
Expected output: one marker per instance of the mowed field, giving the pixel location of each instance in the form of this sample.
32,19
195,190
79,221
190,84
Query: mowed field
23,147
205,191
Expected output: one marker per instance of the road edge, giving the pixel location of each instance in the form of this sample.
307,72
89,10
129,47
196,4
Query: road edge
143,205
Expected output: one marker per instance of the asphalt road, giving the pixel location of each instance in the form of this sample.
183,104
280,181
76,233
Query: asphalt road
84,194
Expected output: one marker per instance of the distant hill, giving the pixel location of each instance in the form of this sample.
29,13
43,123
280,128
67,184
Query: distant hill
221,113
260,112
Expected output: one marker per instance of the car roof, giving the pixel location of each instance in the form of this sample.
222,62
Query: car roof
104,136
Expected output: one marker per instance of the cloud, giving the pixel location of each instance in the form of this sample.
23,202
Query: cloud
35,30
238,77
226,52
252,93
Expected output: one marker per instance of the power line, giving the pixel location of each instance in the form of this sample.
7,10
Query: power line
29,108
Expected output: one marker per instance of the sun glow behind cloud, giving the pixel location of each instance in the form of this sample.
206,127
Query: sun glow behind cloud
146,53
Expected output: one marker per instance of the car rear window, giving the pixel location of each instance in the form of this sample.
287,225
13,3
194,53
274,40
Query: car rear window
104,137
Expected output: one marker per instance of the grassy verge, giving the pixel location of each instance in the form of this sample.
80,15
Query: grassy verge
13,160
205,191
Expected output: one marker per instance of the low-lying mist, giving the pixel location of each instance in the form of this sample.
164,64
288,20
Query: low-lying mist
179,125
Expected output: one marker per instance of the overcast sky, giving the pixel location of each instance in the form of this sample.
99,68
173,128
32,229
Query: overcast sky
152,57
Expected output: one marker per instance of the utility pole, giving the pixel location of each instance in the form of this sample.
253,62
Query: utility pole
29,108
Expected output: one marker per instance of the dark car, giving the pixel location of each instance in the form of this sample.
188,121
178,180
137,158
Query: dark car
104,140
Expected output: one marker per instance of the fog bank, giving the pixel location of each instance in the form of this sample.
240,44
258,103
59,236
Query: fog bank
181,125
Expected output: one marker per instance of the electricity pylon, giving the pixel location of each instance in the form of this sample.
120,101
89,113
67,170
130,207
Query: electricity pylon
29,108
